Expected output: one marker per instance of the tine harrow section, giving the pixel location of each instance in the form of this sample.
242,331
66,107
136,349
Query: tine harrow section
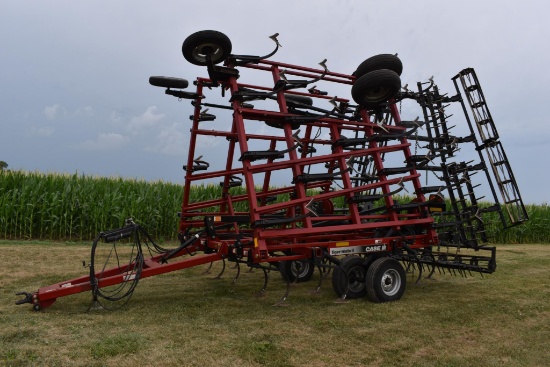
506,182
300,178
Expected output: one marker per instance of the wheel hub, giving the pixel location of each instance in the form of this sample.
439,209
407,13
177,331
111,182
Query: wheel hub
390,282
201,52
299,268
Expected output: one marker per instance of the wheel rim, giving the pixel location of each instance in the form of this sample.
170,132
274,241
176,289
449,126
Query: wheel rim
204,50
390,282
356,279
377,94
303,268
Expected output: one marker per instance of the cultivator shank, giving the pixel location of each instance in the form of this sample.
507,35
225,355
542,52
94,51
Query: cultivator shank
310,179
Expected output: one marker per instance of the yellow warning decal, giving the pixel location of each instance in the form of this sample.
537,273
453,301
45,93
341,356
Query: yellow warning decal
342,244
255,242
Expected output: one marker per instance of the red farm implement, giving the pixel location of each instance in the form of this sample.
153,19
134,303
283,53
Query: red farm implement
310,180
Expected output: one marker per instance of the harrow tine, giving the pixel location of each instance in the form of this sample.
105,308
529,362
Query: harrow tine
207,271
318,289
420,269
414,266
282,301
261,293
326,270
221,272
431,272
433,268
409,265
342,298
238,266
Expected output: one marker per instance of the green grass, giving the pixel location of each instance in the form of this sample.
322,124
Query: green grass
187,318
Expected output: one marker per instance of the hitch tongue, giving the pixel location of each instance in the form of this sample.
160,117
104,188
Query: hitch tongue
27,299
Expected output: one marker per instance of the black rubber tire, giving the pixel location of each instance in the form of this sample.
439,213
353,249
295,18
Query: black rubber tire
375,87
354,267
197,46
168,82
289,270
377,62
386,280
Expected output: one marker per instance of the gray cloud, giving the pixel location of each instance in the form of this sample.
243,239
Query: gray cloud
104,141
54,112
41,131
147,120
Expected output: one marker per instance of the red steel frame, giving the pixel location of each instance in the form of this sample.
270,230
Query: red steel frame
304,236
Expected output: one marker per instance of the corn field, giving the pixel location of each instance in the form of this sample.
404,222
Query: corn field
75,207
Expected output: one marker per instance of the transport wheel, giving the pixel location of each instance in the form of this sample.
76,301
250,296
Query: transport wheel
301,269
200,46
385,280
356,271
377,62
375,87
168,82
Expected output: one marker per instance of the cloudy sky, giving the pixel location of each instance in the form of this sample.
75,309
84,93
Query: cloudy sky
74,75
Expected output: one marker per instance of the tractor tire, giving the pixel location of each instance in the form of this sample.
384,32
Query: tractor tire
291,273
203,44
354,267
377,62
375,87
386,280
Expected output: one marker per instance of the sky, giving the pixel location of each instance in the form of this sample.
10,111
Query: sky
75,96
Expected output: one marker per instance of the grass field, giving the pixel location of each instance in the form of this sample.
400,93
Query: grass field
190,319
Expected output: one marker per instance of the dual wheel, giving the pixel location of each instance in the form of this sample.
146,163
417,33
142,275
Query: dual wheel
382,280
377,80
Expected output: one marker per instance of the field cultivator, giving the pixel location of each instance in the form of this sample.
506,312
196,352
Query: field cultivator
308,179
